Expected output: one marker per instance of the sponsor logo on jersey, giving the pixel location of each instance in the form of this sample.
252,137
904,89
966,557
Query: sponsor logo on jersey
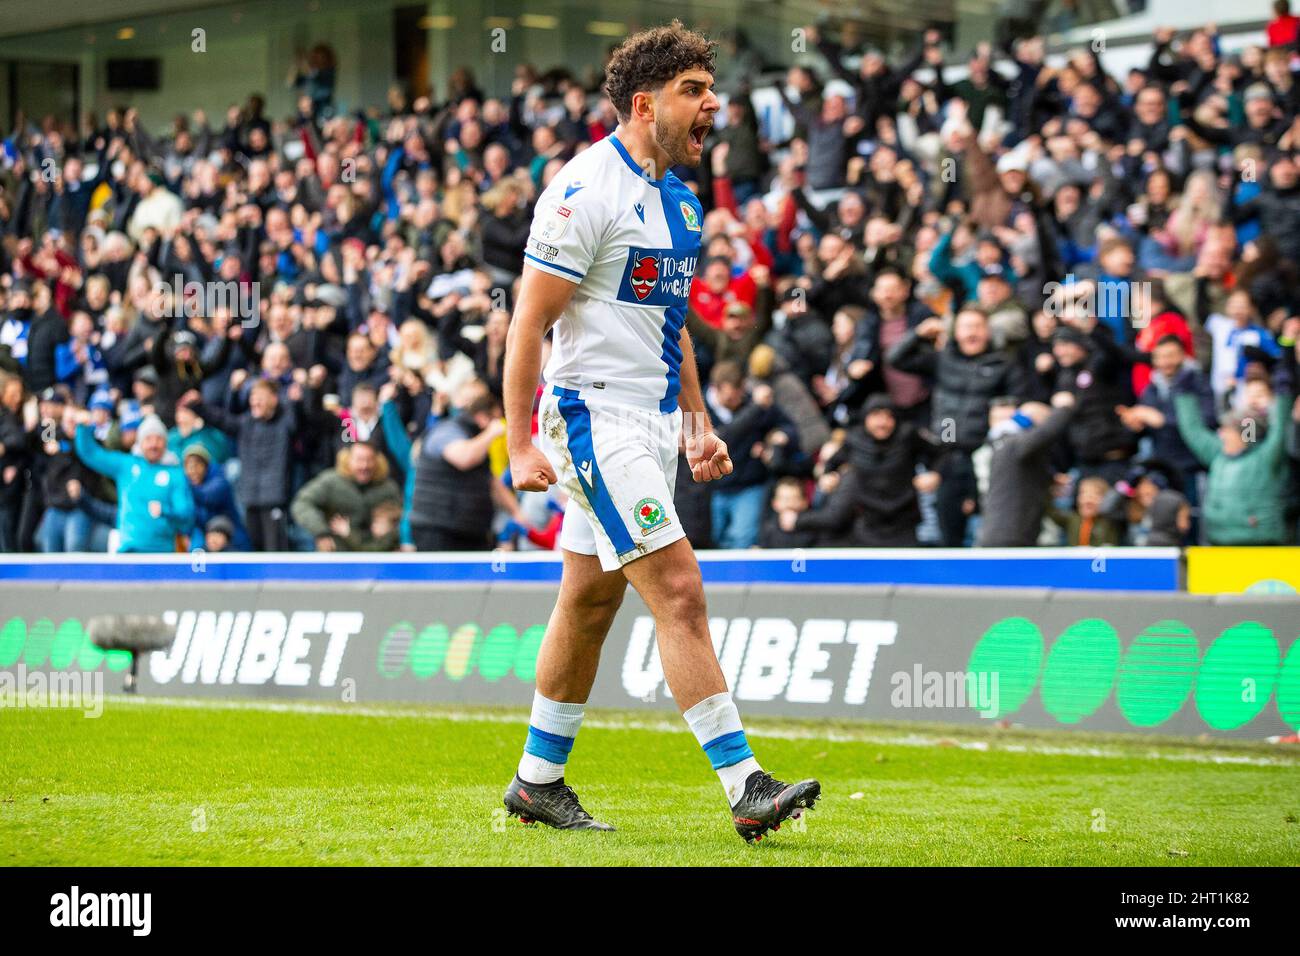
657,276
649,515
542,249
688,215
644,276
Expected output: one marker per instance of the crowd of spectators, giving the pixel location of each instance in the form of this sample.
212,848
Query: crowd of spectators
998,300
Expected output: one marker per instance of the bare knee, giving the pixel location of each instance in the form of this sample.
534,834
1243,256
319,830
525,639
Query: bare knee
594,609
681,600
601,603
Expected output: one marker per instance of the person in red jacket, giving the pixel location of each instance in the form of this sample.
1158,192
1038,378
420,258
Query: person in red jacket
1164,320
1282,29
715,288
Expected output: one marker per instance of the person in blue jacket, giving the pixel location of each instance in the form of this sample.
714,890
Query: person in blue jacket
213,497
154,503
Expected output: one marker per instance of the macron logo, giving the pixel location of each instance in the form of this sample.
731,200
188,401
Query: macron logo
572,188
103,909
585,469
640,211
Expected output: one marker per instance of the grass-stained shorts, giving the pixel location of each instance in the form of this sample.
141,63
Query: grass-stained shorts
618,465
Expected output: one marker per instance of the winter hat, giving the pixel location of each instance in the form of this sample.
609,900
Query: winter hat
152,425
1068,333
220,524
1258,91
198,451
1014,161
879,402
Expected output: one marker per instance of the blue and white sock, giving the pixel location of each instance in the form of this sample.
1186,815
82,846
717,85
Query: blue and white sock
715,721
551,730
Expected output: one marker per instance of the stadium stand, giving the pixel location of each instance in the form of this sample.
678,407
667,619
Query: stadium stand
1030,304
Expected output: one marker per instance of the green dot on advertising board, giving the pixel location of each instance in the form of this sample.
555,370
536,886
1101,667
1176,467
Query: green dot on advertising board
498,653
1157,673
394,649
1081,669
1012,651
460,655
429,651
67,644
12,638
39,639
117,660
1288,688
530,642
1237,675
90,656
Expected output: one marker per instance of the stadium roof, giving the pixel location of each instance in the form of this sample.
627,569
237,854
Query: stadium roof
22,17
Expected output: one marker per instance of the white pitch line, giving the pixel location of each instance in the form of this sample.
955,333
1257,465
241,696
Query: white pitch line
676,727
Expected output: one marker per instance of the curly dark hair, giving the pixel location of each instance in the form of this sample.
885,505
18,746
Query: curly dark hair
649,59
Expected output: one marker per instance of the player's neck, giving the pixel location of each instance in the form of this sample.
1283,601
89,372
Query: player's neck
645,152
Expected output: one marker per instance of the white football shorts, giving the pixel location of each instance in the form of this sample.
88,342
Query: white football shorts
618,465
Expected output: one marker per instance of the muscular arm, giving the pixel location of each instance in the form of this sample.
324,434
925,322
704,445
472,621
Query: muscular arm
695,414
542,297
706,453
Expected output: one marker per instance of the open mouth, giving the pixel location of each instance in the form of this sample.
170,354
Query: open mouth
698,133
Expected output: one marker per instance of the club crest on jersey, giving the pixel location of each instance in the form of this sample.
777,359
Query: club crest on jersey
688,215
644,276
649,515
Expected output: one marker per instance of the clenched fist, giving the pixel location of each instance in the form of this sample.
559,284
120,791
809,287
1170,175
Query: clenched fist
529,469
707,455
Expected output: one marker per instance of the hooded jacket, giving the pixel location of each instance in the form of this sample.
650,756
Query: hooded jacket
140,485
876,505
962,385
1019,479
1244,502
336,492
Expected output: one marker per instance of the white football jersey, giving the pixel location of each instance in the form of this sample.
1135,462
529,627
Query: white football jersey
631,244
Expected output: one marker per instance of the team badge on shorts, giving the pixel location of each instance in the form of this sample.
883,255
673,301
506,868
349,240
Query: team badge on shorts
649,514
688,214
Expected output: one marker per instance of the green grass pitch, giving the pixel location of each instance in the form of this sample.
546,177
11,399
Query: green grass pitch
177,782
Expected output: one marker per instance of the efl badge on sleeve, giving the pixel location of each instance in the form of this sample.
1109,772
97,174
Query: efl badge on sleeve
555,223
